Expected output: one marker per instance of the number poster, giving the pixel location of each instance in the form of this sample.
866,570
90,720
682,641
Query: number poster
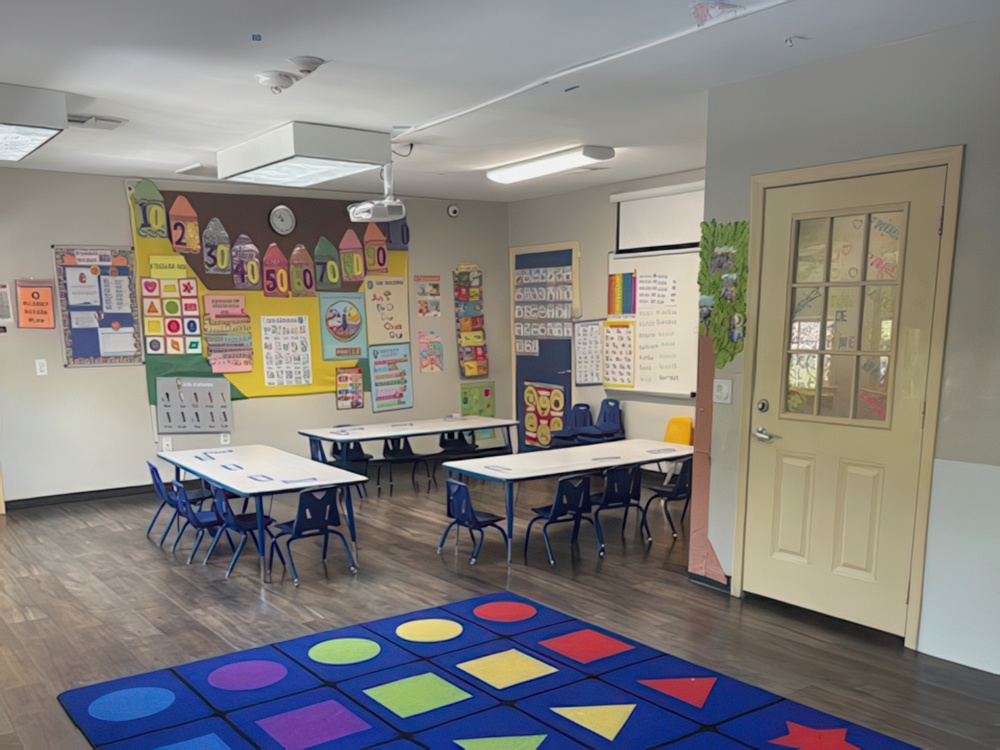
392,381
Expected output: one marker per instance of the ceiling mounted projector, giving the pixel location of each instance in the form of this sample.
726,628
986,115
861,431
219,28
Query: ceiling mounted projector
385,209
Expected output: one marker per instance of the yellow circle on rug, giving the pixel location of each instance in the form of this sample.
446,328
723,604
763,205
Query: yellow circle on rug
430,630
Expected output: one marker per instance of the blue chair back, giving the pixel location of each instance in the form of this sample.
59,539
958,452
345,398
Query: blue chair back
160,488
460,504
620,486
397,448
459,441
572,495
223,509
579,416
610,414
316,513
184,507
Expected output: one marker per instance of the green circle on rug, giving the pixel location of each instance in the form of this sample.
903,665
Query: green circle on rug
430,630
344,651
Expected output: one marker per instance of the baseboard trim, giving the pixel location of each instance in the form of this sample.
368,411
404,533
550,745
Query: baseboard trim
77,497
711,582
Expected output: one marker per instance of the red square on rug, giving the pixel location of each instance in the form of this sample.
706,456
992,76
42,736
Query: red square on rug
586,645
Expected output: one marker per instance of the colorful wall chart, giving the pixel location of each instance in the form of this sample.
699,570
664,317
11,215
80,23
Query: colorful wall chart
171,315
100,316
392,381
544,411
428,296
387,303
479,400
35,303
470,322
618,346
225,246
431,352
350,388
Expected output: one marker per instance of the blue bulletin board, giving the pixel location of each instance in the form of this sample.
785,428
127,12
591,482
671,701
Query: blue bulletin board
97,305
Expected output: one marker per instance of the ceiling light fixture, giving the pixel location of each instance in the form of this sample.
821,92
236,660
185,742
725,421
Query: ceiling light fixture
562,161
29,118
279,80
300,154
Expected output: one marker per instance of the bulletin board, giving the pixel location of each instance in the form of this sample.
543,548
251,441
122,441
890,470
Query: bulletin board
97,305
658,293
223,293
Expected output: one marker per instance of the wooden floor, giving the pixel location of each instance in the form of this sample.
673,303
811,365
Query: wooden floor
86,597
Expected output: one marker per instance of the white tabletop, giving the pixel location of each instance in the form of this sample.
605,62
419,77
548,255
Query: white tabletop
249,470
579,458
401,428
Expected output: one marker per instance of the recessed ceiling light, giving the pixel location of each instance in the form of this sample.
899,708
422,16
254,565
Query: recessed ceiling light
551,164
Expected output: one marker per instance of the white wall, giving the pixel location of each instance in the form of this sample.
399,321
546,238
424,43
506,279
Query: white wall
938,90
590,218
84,429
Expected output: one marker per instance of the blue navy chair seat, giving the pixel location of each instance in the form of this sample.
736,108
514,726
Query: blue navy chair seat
167,499
317,516
608,425
621,490
464,515
570,504
349,456
200,520
678,489
244,524
576,419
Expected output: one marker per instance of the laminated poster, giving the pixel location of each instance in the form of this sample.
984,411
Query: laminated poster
343,331
431,352
428,296
392,384
350,388
171,315
387,305
617,343
285,340
478,399
587,352
544,412
470,323
228,338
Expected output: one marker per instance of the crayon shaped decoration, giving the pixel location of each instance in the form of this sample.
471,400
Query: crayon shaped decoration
149,213
398,236
302,272
246,264
185,233
376,253
275,272
352,257
215,247
327,266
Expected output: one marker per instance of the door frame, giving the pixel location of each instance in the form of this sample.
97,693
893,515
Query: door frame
949,157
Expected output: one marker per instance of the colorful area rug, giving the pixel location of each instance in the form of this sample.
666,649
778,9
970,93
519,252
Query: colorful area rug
497,672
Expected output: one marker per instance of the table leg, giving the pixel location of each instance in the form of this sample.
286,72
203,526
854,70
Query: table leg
349,511
506,439
259,505
509,486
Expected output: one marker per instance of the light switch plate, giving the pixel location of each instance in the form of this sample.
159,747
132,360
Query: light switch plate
166,444
41,367
723,392
224,438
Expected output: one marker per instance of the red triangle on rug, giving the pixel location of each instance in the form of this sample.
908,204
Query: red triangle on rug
692,690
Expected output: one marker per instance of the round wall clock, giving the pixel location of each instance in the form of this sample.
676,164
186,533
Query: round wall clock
282,220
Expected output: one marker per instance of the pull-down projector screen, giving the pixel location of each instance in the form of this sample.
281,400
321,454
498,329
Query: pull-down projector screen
662,222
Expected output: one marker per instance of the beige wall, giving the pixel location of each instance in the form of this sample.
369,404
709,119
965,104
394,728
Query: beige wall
83,429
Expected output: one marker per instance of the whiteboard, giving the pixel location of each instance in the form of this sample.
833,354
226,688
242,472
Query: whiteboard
660,291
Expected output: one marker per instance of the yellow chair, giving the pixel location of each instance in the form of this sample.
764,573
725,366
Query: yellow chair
679,430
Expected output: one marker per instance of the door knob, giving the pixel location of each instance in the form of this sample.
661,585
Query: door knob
763,435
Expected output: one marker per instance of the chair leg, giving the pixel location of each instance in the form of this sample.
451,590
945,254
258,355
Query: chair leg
444,536
156,515
197,541
291,561
548,545
644,525
597,530
687,502
236,555
179,535
215,541
326,543
478,546
666,512
352,564
274,548
170,525
527,536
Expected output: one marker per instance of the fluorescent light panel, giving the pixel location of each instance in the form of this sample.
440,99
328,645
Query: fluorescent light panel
28,119
544,165
301,154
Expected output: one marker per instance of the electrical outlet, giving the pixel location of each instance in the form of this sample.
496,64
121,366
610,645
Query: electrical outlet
166,444
41,367
723,392
224,438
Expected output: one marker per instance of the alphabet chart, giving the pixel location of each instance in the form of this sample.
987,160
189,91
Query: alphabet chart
618,344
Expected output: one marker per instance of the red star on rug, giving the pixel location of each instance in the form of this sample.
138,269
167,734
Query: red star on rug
806,738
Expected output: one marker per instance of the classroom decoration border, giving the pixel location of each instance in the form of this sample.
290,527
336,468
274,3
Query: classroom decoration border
722,281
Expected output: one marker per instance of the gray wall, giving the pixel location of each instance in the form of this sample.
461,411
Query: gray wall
83,429
939,90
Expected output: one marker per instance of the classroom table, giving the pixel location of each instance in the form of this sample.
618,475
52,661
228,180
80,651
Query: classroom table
559,461
347,433
253,471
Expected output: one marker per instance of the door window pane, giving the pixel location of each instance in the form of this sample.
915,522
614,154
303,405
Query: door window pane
838,386
847,249
873,390
843,316
801,392
807,316
810,256
880,309
884,254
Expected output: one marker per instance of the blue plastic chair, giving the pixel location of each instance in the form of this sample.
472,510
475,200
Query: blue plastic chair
608,425
576,419
349,456
398,450
678,489
621,488
317,516
464,515
167,499
244,524
570,504
200,520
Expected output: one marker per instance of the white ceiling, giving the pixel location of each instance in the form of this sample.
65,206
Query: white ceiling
181,72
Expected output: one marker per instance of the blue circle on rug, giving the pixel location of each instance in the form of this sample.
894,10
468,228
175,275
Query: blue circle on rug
253,674
131,704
